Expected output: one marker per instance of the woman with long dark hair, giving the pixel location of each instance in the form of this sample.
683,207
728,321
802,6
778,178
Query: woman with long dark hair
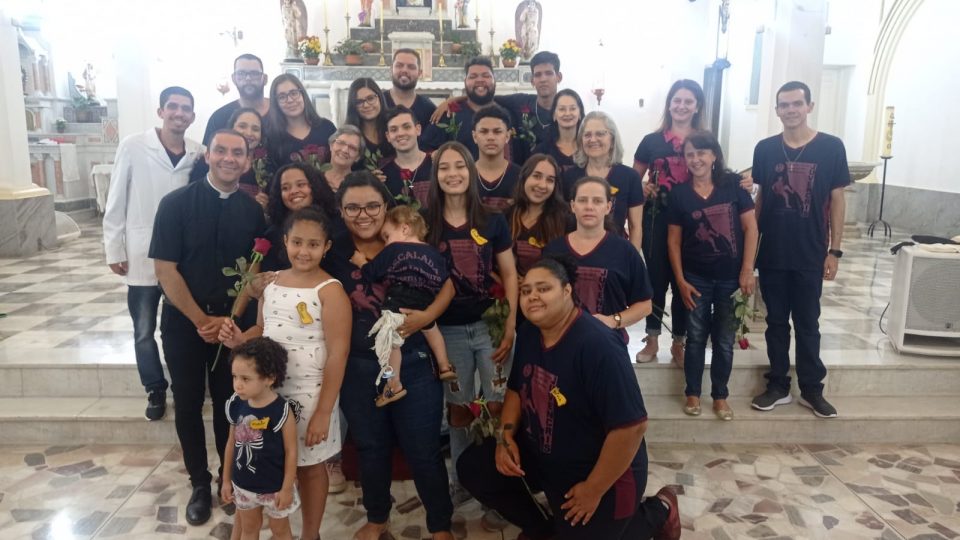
539,214
712,241
295,131
367,110
476,244
247,122
560,140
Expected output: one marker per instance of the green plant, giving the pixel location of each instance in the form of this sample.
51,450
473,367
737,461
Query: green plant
510,49
310,47
470,49
61,125
348,46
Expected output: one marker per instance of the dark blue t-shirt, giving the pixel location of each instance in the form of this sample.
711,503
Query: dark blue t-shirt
470,257
549,147
796,185
528,244
572,395
412,265
497,193
433,135
365,296
530,121
408,185
625,184
258,443
422,107
712,245
287,149
610,278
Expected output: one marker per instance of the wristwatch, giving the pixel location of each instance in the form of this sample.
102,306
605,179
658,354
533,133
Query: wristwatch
835,252
618,319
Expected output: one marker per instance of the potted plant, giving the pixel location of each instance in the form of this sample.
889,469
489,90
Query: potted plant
88,110
470,49
310,49
61,125
351,50
368,47
509,52
456,46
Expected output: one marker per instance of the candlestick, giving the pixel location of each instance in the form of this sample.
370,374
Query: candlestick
383,60
327,58
346,19
492,51
441,62
888,134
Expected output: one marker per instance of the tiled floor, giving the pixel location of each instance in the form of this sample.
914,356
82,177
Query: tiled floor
726,492
65,307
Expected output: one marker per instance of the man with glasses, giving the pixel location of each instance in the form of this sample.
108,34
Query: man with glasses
480,86
801,173
405,72
250,80
147,166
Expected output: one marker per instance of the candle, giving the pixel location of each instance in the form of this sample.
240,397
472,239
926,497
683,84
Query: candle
326,23
381,16
888,134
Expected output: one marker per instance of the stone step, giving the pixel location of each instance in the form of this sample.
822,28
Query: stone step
116,377
892,420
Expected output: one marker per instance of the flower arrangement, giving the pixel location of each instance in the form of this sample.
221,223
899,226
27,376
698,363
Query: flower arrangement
741,311
243,270
510,50
348,47
310,47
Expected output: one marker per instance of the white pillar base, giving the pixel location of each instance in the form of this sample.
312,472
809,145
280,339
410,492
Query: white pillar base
27,222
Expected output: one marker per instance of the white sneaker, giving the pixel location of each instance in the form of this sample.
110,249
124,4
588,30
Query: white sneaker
338,482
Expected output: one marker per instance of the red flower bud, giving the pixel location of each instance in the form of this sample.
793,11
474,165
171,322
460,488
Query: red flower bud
454,107
475,409
261,246
498,292
406,175
525,109
259,152
744,343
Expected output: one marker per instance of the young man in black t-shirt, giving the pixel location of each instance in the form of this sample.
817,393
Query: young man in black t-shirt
250,80
200,229
801,173
480,86
496,174
407,172
404,73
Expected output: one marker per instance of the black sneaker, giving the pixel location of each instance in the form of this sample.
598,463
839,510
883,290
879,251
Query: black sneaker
156,405
770,398
820,406
198,509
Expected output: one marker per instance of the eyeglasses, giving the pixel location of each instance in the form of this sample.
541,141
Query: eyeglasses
291,96
371,209
367,101
595,134
345,144
248,74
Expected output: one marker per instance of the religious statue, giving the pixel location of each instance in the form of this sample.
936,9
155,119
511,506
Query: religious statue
294,14
89,82
461,10
528,18
366,12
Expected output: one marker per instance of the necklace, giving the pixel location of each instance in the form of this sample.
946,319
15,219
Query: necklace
536,111
483,183
790,164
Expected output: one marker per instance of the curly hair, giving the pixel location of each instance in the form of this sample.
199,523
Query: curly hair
269,358
323,197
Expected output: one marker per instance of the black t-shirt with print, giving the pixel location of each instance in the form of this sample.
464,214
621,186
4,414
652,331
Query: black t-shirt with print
408,185
497,194
625,184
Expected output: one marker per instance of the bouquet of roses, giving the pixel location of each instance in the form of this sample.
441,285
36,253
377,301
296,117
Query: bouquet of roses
243,270
312,155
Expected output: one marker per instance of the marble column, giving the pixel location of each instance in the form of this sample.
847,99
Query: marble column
798,52
27,221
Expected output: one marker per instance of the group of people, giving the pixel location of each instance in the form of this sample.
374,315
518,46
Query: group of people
420,222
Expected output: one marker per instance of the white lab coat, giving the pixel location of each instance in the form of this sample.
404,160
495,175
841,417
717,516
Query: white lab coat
142,175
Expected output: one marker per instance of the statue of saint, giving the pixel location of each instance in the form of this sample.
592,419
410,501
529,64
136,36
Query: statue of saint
90,81
294,14
461,9
528,18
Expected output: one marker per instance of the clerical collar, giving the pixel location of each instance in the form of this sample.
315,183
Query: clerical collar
223,194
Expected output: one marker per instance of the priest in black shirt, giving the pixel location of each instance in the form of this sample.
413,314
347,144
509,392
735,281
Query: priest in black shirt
200,229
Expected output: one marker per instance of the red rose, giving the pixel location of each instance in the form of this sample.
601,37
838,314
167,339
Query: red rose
454,107
525,109
744,343
406,175
261,246
312,149
259,152
498,292
475,409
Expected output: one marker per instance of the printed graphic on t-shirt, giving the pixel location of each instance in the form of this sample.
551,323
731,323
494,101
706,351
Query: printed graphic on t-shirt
248,435
795,190
497,203
364,300
527,254
675,168
420,190
715,230
468,265
539,405
590,283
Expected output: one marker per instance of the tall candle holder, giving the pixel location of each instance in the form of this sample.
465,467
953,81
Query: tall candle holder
476,22
383,60
327,57
441,63
493,54
346,20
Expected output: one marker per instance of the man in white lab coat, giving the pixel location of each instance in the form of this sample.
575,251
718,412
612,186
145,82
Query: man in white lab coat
147,166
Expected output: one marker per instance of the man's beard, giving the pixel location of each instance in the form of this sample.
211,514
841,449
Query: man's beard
481,100
400,86
249,91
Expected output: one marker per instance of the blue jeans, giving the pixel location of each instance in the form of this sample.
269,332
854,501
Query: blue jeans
413,422
793,293
469,349
712,316
143,301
